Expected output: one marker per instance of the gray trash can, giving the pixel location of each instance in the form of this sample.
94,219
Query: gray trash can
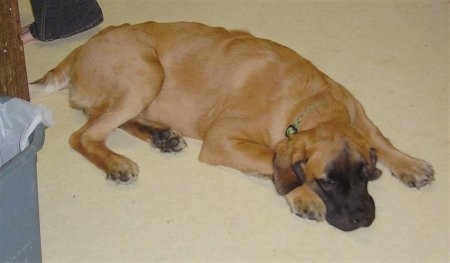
20,239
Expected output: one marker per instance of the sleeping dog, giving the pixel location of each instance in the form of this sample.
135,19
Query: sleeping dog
258,106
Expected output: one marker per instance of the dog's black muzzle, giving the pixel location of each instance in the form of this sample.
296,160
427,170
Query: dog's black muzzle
347,208
351,216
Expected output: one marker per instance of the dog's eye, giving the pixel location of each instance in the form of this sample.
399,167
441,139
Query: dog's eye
327,185
327,182
330,182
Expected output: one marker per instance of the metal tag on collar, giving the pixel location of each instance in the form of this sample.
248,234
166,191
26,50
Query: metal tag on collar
291,129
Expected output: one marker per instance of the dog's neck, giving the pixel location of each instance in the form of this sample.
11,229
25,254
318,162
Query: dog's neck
314,114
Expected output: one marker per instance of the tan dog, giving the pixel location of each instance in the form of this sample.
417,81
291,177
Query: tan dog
258,106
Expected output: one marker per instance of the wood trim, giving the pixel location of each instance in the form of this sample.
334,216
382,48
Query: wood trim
13,74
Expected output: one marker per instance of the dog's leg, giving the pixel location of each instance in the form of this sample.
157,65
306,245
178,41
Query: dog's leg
411,171
291,181
90,139
243,155
113,101
159,135
252,157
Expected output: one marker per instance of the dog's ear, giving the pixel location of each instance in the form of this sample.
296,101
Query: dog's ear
297,167
288,168
370,171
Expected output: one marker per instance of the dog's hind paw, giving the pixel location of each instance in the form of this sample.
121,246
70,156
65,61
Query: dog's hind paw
125,171
167,140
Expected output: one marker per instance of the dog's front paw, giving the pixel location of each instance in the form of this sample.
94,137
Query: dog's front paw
416,173
305,203
122,170
167,140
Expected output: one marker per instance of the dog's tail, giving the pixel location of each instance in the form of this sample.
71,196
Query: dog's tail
54,80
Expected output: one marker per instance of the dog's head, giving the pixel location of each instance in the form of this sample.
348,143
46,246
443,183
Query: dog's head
337,165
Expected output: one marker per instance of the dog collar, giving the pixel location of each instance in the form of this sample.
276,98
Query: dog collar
297,124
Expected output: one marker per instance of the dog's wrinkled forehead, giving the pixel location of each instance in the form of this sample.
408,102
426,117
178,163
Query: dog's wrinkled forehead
349,167
344,168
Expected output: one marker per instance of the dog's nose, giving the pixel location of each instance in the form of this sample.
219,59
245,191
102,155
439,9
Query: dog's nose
362,218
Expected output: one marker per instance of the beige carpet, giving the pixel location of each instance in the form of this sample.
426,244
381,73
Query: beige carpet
393,56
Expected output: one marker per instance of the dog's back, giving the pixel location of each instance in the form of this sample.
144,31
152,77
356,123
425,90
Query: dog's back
211,73
204,72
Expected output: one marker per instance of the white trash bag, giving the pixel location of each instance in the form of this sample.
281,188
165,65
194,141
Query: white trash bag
18,120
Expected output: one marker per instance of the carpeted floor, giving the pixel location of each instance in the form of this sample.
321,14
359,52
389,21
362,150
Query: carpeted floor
392,55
